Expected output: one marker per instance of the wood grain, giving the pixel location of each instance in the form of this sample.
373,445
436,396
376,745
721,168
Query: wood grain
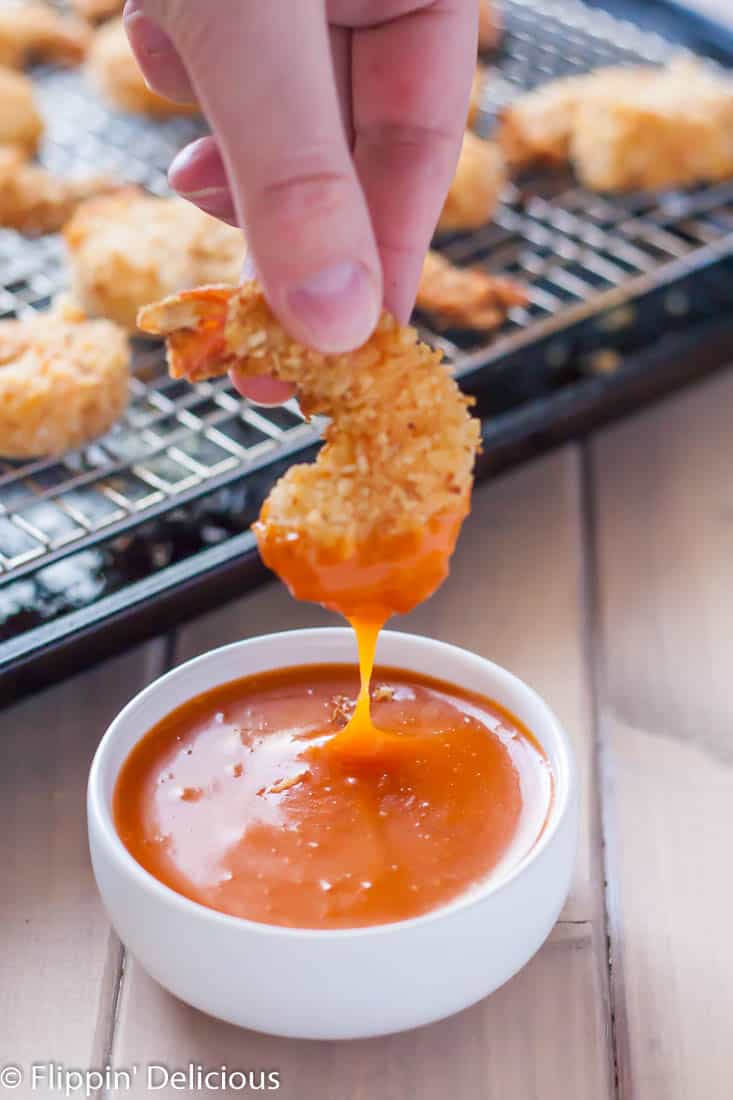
664,508
539,1036
59,960
516,595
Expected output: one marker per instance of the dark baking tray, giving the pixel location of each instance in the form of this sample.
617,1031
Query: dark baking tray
558,370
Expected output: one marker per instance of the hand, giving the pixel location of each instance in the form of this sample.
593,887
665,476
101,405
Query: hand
337,128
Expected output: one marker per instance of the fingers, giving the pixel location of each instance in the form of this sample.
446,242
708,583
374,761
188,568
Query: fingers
199,174
283,145
156,55
198,171
411,82
262,391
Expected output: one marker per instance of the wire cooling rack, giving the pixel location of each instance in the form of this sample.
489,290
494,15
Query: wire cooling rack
578,254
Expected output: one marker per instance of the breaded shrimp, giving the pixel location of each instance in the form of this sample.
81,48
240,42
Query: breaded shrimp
477,88
129,248
21,123
61,383
674,129
96,11
115,72
490,29
369,527
33,201
466,297
477,185
623,128
37,32
538,127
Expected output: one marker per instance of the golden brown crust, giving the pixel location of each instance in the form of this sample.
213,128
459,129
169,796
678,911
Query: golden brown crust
36,32
477,185
673,131
490,28
128,249
400,445
21,123
61,383
96,11
466,297
33,201
477,91
114,71
538,127
626,128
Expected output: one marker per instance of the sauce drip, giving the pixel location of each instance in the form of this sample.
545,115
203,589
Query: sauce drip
391,576
232,801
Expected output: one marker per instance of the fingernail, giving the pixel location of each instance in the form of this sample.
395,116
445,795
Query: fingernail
216,201
338,307
189,155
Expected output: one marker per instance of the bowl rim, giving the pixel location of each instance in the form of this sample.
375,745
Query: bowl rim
99,811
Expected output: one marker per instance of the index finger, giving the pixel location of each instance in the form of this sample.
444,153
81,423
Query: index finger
411,83
264,74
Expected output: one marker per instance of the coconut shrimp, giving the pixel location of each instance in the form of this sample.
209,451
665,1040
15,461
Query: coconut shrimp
21,123
33,201
130,248
36,32
477,92
96,11
62,383
368,529
477,185
374,519
466,297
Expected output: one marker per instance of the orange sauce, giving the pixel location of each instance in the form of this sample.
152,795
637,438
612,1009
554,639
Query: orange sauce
231,801
389,577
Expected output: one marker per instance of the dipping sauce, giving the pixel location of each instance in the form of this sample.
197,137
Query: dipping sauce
391,576
232,801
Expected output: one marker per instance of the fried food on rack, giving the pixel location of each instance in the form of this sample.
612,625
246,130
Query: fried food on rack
128,249
21,123
626,128
62,383
490,28
477,185
466,297
37,32
96,11
115,72
33,201
477,89
538,127
675,130
392,485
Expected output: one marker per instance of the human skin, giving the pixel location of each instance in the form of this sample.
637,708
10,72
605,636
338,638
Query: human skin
336,127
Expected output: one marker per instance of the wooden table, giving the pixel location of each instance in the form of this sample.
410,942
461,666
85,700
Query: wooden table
603,574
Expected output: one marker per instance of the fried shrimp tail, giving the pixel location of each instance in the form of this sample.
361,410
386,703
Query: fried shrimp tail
368,529
466,297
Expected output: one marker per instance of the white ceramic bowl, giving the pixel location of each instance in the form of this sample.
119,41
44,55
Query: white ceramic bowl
345,983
